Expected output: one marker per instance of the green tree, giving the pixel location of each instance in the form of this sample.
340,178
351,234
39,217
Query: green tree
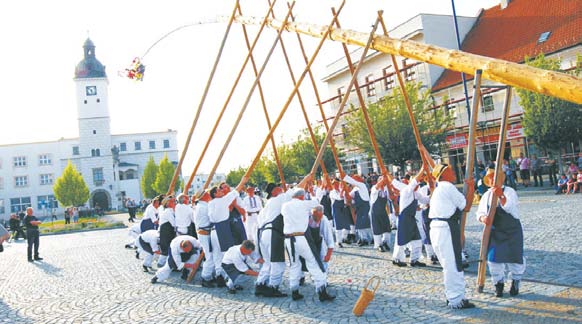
70,188
148,179
233,177
164,176
549,121
393,129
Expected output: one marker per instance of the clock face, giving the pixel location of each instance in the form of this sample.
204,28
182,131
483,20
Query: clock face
91,90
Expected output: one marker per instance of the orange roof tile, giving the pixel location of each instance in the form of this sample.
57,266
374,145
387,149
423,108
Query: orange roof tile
512,33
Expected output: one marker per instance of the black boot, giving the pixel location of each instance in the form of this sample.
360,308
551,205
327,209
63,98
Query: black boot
260,289
208,284
499,289
154,279
220,282
514,290
145,269
185,274
386,246
274,292
323,295
295,295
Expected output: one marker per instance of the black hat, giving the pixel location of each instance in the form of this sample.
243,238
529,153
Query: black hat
269,188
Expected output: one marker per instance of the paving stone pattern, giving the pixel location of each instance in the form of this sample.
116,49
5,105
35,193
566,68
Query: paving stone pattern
90,278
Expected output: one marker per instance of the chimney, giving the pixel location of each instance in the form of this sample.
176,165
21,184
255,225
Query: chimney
504,4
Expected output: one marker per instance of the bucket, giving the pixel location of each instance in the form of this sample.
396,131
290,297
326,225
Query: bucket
366,296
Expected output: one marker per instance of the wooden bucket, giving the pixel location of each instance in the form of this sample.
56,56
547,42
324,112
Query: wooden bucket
366,296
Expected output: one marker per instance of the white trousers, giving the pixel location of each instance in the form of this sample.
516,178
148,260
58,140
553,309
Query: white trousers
251,227
164,272
302,250
393,220
208,267
217,255
365,234
182,230
162,260
381,239
271,273
415,251
497,270
420,225
442,243
147,257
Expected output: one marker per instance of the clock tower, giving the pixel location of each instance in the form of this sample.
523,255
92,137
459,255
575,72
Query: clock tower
94,158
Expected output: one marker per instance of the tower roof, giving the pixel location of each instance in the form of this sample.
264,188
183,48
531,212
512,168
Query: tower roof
89,67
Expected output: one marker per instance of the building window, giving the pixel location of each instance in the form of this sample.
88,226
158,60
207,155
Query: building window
2,207
75,150
487,104
47,202
19,204
20,181
46,179
340,94
544,37
409,73
20,161
152,145
95,152
388,78
122,147
451,110
98,100
137,146
45,159
94,132
130,174
166,143
370,86
85,101
98,176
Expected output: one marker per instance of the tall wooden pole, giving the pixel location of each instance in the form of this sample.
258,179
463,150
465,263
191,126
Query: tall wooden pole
471,146
557,84
290,98
261,94
248,99
346,96
494,199
202,100
301,104
227,101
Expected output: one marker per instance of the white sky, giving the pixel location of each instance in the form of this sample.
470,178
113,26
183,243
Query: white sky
42,42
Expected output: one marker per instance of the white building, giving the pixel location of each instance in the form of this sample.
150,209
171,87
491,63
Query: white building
112,165
200,179
377,76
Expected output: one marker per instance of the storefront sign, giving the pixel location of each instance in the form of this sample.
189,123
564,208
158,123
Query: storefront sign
457,141
515,131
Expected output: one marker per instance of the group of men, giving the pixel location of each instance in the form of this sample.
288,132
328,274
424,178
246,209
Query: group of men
230,232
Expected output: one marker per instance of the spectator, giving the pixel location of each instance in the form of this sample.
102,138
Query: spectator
572,169
524,167
15,228
68,216
571,184
4,235
75,215
552,170
536,167
513,167
32,234
509,178
562,184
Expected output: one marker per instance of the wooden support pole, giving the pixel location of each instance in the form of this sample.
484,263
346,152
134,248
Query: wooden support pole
261,94
248,99
226,102
290,98
301,104
192,273
201,104
494,199
557,84
347,95
471,146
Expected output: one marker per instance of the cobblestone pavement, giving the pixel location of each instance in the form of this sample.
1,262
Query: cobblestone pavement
90,278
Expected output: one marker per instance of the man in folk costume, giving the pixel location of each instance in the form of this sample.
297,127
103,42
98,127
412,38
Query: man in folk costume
506,240
203,229
150,216
322,195
148,244
235,263
184,214
342,216
320,236
408,232
237,218
446,207
183,252
167,227
271,241
221,236
379,215
361,203
253,205
296,218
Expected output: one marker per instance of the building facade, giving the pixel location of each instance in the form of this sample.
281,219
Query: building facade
111,165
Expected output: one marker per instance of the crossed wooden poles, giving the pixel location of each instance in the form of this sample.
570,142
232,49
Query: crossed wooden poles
556,84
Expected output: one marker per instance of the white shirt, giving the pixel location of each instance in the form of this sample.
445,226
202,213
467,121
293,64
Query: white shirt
152,237
168,217
408,193
424,191
375,193
511,203
184,215
252,204
176,249
273,208
319,193
326,232
201,215
335,195
360,187
234,256
445,201
151,213
218,207
296,215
